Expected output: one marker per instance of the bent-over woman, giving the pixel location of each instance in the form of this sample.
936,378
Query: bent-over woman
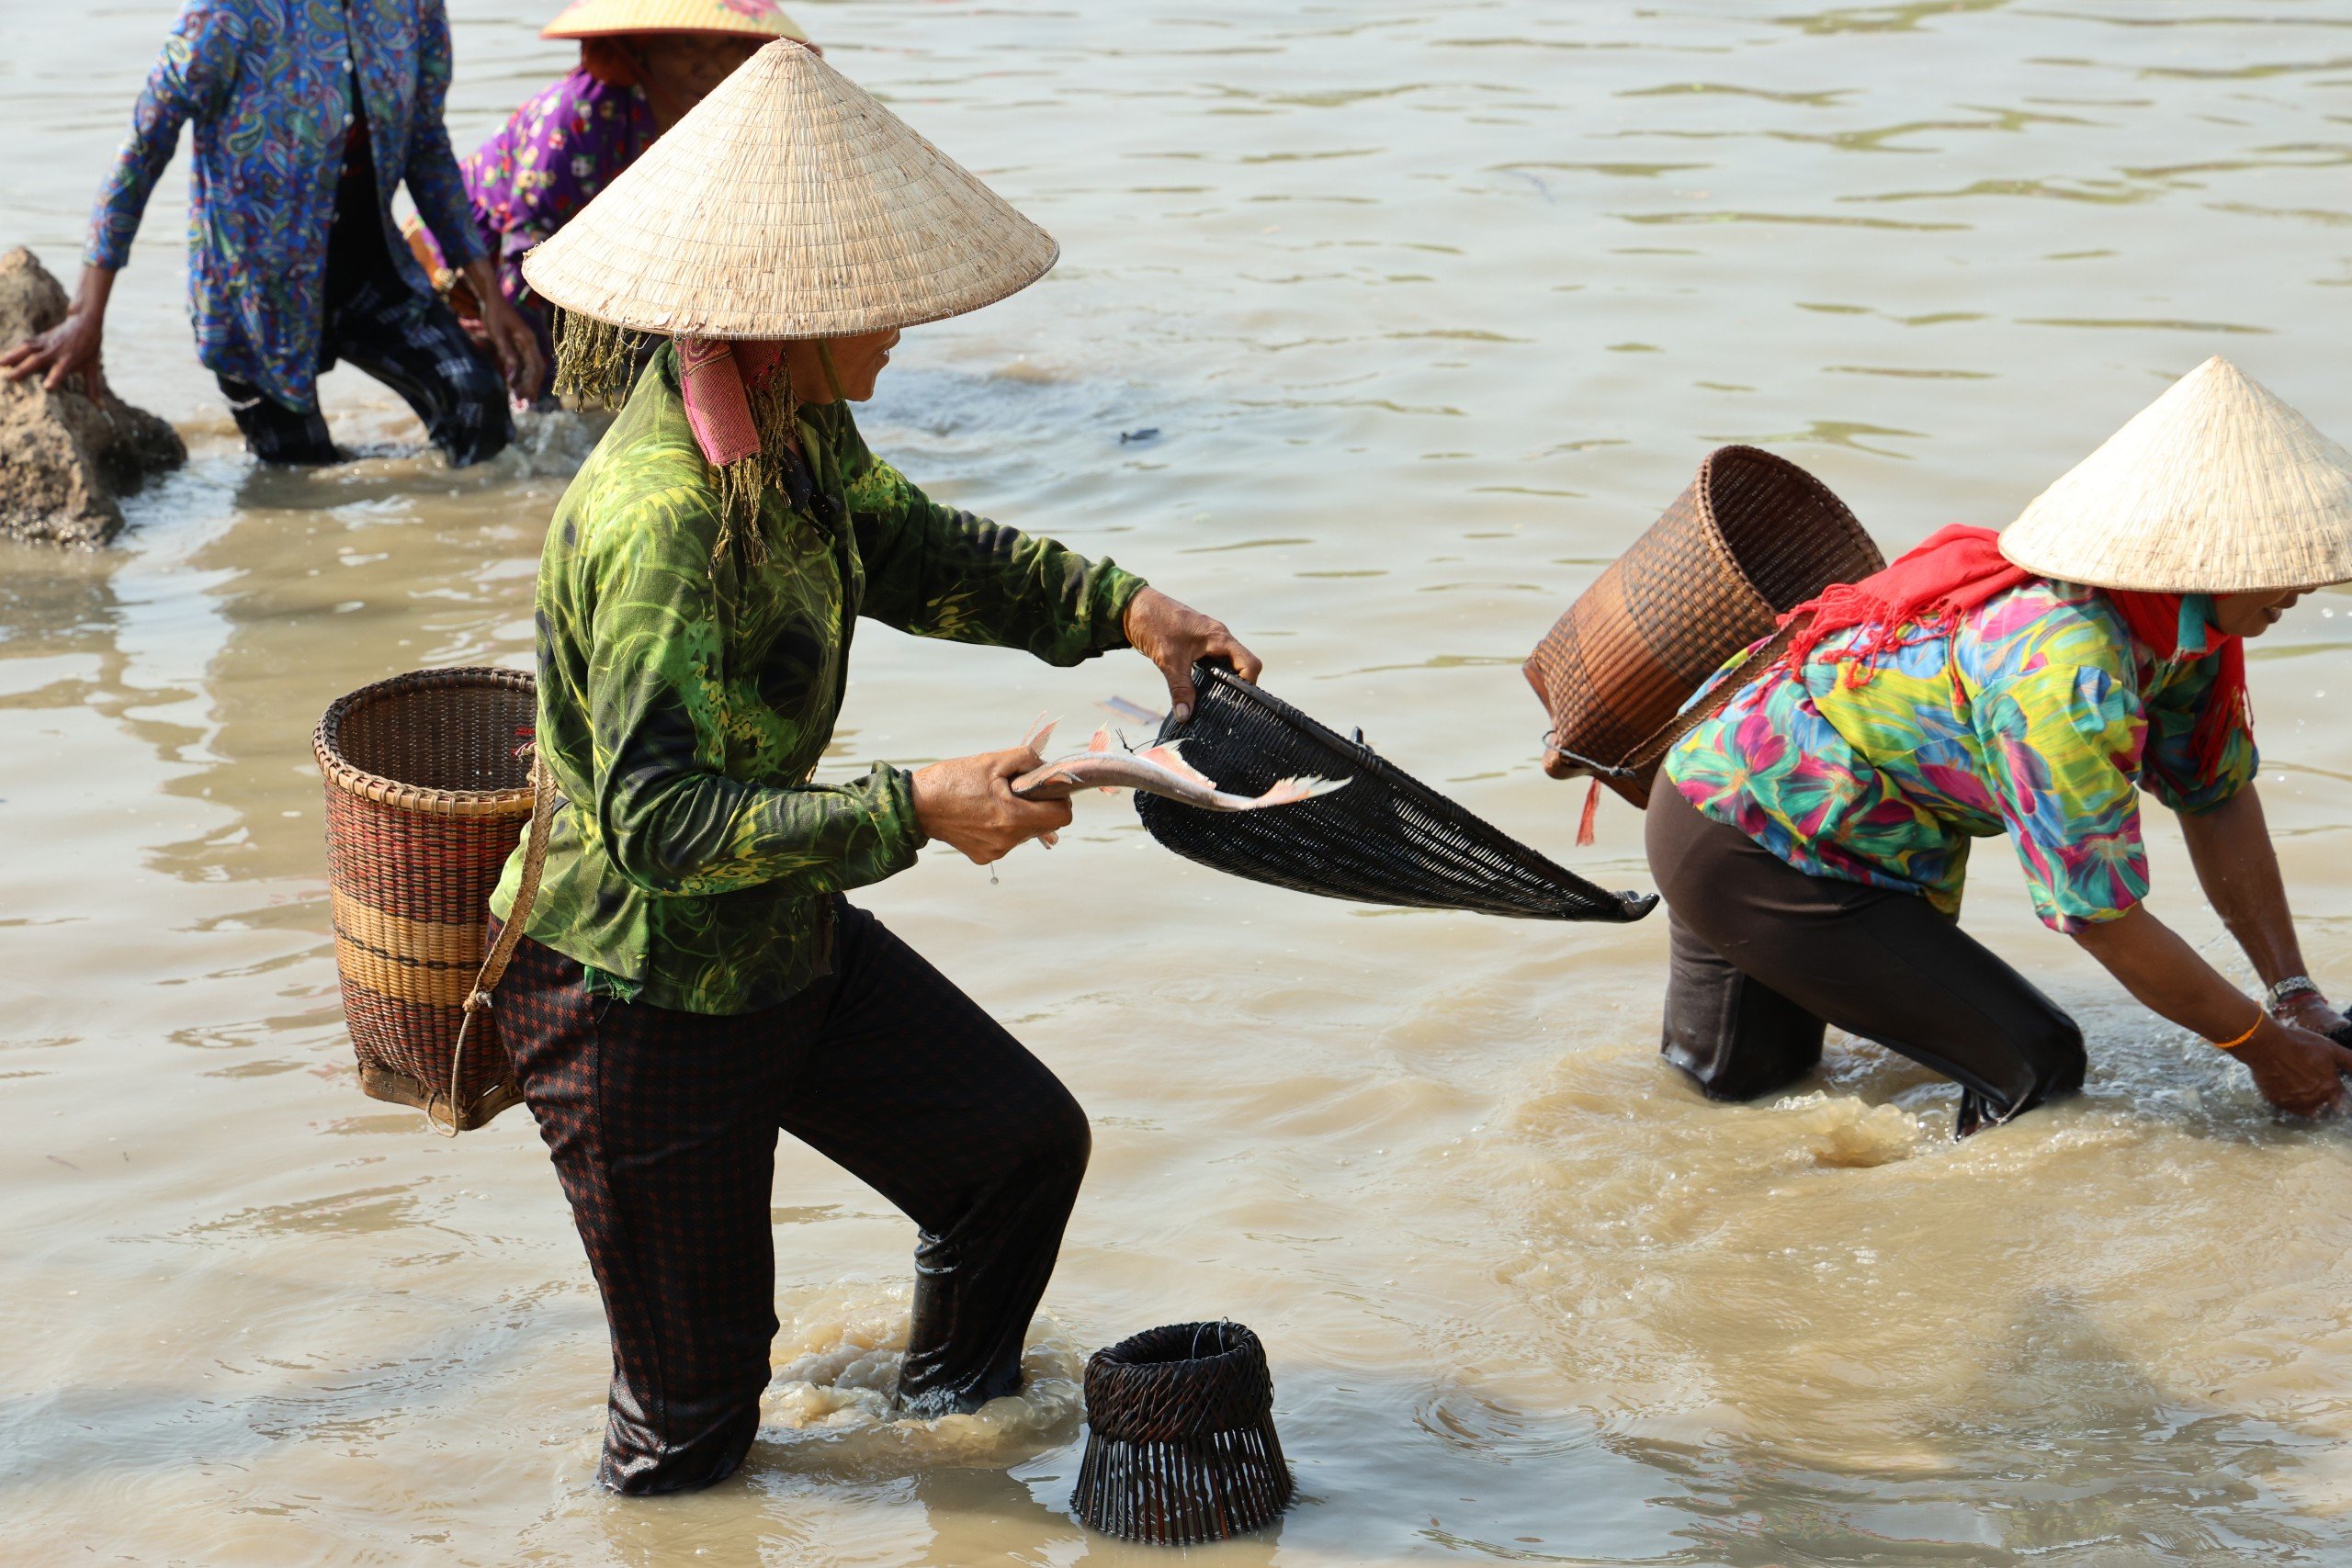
1812,836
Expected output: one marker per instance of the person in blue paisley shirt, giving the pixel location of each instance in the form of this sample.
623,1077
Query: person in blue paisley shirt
307,113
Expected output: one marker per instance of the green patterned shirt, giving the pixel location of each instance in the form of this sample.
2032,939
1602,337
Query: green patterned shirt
684,703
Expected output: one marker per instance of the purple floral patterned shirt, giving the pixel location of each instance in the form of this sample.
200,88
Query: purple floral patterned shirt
268,85
555,154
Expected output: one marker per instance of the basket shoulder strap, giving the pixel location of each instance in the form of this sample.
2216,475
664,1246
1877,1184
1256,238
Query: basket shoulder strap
527,891
502,952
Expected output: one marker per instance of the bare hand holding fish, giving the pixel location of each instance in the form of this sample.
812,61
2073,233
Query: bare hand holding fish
968,802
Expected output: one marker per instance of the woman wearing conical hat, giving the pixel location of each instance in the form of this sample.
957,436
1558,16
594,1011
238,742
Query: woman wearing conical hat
693,980
643,64
2031,684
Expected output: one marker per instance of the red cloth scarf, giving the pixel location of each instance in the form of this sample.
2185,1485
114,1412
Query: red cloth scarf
713,373
1927,592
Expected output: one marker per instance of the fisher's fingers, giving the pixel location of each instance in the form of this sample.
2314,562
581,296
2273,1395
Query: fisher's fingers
1178,676
1246,664
1013,761
1031,817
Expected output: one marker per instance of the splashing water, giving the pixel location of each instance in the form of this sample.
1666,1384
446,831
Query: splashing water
837,1364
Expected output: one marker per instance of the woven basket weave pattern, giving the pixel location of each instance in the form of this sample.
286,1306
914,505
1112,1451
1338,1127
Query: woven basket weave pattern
1180,1445
426,798
1753,537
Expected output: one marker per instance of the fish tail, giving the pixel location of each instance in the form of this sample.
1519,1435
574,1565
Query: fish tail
1291,791
1041,734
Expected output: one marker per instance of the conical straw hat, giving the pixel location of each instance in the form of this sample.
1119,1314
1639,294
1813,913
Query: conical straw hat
601,19
789,204
2217,487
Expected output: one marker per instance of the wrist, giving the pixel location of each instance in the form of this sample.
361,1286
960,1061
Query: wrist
2292,988
2246,1034
1132,611
92,292
918,794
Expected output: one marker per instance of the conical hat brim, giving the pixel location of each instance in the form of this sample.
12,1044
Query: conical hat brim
2217,487
741,18
789,204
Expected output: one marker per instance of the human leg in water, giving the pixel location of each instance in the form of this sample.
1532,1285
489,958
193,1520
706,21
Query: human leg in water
921,1094
1765,953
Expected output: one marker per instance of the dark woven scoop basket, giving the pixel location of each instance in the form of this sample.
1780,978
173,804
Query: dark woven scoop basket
429,788
1750,538
1386,839
1179,1442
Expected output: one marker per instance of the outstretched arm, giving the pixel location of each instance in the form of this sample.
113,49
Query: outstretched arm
191,76
2294,1068
2238,867
936,572
2068,730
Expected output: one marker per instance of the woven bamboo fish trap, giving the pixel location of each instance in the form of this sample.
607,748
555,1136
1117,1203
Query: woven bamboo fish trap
428,786
1752,538
1385,838
1180,1445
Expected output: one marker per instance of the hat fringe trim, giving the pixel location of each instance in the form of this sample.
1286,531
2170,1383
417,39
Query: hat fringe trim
595,361
744,484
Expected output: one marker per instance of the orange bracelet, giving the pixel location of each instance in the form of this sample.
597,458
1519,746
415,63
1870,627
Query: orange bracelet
2261,1017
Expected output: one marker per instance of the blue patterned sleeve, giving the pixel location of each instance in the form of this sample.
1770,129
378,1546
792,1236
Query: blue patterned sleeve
434,181
2169,768
192,76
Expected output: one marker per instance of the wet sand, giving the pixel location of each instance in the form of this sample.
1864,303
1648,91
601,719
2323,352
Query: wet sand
1432,308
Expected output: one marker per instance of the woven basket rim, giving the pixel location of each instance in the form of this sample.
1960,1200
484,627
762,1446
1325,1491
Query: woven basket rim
1240,1343
1179,1401
1713,533
345,775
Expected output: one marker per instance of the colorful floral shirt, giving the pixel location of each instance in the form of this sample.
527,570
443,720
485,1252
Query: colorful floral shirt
269,84
566,142
684,702
2040,717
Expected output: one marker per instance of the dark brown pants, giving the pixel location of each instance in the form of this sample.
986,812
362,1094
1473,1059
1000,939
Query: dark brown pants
1764,955
664,1127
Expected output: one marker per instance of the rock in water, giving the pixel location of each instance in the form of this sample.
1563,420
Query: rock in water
64,457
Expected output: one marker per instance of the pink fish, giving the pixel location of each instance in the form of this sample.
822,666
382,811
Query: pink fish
1156,769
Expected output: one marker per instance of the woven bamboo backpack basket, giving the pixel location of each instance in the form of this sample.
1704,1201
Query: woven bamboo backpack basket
428,785
1752,538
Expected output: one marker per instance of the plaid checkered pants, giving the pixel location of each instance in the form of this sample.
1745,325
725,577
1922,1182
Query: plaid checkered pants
410,342
662,1126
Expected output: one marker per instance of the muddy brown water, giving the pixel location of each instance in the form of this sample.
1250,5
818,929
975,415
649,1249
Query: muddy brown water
1432,307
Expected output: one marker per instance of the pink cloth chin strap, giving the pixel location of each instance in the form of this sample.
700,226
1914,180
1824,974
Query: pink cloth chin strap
713,373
